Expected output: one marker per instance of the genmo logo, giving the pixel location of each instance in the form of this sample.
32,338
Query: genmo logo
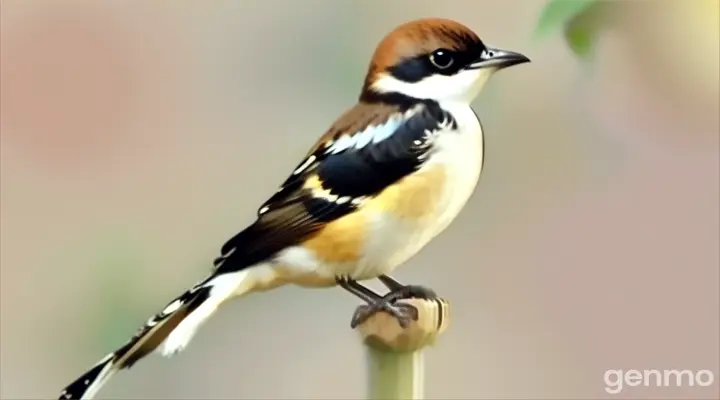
617,379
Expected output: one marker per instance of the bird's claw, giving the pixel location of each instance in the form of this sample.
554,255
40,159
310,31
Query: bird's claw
403,313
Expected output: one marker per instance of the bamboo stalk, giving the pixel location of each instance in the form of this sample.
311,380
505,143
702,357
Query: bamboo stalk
395,355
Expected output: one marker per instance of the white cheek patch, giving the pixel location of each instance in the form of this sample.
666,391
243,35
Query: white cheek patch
463,87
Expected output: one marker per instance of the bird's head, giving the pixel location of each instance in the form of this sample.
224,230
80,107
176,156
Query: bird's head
434,59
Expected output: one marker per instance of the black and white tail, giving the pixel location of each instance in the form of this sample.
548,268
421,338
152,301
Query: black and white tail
168,331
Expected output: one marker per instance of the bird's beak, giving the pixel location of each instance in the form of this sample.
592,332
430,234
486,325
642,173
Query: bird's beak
498,59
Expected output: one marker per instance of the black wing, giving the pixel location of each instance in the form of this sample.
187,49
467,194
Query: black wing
332,181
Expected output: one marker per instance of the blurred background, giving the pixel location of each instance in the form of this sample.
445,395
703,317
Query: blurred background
132,135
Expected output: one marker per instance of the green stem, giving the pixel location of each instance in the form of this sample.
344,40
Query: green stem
395,375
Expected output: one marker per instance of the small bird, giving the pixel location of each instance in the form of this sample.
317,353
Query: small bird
389,175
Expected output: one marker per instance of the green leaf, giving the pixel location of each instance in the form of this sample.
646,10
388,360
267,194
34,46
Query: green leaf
581,40
557,14
579,21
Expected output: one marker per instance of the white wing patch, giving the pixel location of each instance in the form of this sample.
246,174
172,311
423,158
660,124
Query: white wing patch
371,134
304,165
172,307
343,143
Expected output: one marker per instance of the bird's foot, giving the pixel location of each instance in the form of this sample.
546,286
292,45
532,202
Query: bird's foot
403,313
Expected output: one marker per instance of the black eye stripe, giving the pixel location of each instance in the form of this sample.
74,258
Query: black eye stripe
415,69
412,70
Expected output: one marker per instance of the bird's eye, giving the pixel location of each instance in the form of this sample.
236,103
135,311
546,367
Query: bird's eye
442,59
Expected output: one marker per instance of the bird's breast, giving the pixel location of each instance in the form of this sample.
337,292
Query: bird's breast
460,154
422,205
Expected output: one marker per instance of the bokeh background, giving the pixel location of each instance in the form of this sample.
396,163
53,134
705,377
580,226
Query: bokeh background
138,135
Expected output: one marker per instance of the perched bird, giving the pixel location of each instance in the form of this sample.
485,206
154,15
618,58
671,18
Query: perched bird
390,174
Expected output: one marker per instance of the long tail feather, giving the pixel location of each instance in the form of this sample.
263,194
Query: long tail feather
168,331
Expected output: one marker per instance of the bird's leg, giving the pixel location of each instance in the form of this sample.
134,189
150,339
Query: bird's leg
404,313
398,291
365,294
390,282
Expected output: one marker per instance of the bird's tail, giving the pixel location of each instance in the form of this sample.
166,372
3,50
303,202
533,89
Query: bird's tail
168,331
